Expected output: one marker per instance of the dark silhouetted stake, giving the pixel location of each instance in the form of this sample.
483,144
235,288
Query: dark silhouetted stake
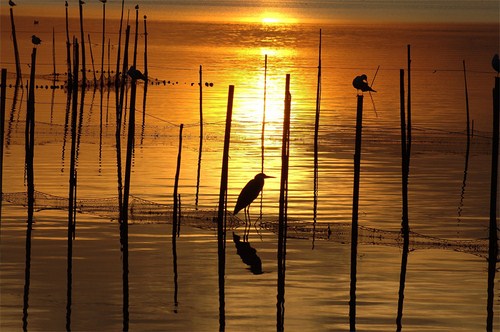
176,216
316,145
118,53
16,50
82,39
3,91
103,41
283,214
355,206
92,60
221,215
200,148
68,50
493,232
405,228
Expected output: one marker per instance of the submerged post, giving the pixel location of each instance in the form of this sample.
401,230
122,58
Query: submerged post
82,40
221,215
316,145
200,148
176,215
493,229
355,205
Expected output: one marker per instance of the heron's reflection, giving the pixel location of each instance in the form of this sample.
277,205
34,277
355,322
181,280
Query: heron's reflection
248,254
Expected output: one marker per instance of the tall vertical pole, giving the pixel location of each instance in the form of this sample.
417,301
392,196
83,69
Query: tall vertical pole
355,206
3,97
221,215
16,50
82,41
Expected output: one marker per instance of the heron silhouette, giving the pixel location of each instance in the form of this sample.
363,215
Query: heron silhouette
248,194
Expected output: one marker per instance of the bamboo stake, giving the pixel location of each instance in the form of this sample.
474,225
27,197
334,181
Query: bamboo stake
283,205
466,103
221,215
92,61
82,38
405,228
355,206
408,115
103,41
145,50
117,76
316,145
29,146
16,50
68,50
493,226
72,187
175,216
3,97
263,132
200,148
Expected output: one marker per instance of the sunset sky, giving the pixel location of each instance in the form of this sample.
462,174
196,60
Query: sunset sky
290,11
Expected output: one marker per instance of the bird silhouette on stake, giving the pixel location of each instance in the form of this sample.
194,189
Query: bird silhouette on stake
136,74
247,195
495,63
12,3
35,40
360,83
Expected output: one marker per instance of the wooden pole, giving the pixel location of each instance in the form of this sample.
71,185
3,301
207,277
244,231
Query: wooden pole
82,38
117,76
29,146
263,132
283,215
3,97
145,50
68,50
175,216
316,144
103,42
355,206
92,61
16,50
72,187
405,228
200,148
493,227
466,102
408,108
221,214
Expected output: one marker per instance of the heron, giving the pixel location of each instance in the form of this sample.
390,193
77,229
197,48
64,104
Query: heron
249,193
35,40
495,62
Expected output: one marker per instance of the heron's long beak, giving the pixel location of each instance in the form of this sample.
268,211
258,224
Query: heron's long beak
269,176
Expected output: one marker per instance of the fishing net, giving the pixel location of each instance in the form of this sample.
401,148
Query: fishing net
144,211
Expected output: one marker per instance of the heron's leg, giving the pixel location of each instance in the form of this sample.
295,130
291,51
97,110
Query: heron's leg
247,223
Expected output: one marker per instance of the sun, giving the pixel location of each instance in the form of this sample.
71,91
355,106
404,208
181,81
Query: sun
270,20
276,18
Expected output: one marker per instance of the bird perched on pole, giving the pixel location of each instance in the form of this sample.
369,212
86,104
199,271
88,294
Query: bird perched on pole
12,3
495,62
35,40
249,193
361,84
136,73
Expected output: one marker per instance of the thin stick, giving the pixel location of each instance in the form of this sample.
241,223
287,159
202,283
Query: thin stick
408,111
493,235
263,131
175,216
221,220
405,228
68,50
283,205
200,148
117,76
3,97
103,41
72,185
145,50
82,38
316,145
355,206
16,50
466,102
92,60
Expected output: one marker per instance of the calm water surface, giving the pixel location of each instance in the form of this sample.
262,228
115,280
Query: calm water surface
447,200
